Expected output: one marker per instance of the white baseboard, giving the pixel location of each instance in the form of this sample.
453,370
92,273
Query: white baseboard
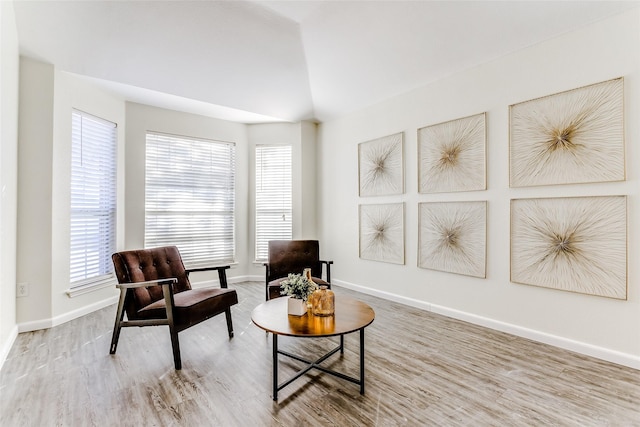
609,355
6,346
63,318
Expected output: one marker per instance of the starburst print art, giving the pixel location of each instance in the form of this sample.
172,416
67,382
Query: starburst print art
453,237
382,232
452,156
571,137
381,166
575,244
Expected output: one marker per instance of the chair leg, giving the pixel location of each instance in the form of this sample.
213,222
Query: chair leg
118,324
175,345
169,304
227,314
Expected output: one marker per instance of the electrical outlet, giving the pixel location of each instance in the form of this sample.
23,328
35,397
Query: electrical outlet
23,290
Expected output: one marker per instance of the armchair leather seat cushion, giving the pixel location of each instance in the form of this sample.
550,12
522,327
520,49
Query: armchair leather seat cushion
192,306
274,286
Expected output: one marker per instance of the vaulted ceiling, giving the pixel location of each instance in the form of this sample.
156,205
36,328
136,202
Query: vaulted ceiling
261,61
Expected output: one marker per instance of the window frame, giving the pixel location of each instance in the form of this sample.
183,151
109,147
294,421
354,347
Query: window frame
94,140
279,176
181,204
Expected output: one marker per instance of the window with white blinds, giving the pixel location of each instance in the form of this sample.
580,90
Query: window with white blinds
93,198
190,197
273,196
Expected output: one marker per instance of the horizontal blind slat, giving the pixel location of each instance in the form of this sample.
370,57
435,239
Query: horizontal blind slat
93,197
190,197
274,201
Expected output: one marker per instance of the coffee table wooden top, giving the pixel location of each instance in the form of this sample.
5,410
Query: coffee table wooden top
350,316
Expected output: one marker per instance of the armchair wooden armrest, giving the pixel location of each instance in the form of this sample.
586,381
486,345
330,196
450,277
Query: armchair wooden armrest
169,281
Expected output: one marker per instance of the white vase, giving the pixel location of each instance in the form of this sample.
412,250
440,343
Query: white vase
296,307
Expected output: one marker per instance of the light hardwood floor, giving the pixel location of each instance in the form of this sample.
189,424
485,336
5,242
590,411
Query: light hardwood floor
422,369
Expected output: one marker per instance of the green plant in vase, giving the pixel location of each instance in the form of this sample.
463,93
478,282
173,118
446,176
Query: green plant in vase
297,286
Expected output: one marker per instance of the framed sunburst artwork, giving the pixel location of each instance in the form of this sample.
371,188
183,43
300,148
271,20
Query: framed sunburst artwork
452,156
382,232
453,237
571,137
576,244
381,166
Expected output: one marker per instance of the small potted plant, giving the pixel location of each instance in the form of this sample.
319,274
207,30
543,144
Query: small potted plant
298,288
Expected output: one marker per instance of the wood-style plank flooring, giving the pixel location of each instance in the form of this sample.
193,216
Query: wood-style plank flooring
422,369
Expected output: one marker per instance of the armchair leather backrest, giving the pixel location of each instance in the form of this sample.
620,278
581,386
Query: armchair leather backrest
149,264
293,256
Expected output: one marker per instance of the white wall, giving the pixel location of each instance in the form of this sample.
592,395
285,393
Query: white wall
308,192
9,78
72,92
34,189
47,98
602,327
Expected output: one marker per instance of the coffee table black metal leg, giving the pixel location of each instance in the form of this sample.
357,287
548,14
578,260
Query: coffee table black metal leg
362,361
315,364
275,367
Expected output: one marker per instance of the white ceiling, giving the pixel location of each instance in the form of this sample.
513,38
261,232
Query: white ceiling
261,61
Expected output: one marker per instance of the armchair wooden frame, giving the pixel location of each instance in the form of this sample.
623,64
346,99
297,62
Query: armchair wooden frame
167,284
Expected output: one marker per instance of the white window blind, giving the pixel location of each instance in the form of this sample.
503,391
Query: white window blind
273,196
190,197
93,198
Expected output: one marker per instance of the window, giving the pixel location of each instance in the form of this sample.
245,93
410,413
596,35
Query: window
273,196
93,199
190,197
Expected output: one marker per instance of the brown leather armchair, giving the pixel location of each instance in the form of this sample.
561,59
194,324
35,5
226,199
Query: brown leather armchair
155,290
292,257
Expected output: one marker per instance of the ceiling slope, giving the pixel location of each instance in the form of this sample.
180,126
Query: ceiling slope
259,61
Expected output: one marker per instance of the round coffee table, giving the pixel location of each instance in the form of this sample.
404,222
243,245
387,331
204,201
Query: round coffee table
350,316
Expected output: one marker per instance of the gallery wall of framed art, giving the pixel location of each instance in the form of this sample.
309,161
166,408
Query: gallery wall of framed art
551,249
